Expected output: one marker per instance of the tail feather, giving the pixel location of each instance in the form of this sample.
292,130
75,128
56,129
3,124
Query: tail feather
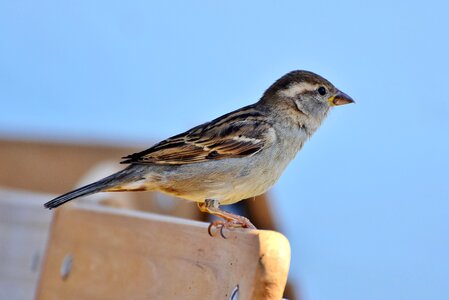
104,184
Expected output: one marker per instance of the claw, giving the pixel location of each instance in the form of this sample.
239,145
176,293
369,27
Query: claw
221,232
219,225
209,229
214,226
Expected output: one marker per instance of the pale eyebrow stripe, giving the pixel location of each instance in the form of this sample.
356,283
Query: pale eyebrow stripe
296,88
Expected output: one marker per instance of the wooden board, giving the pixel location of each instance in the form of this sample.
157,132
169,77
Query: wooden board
106,253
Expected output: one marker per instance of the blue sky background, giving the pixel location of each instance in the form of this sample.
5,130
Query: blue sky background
366,202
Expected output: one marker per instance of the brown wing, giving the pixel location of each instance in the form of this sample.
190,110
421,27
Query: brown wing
237,134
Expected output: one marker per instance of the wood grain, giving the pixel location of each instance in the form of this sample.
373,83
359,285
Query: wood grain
120,254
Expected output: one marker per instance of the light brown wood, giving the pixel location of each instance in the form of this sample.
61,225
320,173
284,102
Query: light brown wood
120,254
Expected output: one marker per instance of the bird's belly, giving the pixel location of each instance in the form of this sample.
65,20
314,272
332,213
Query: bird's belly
222,187
228,180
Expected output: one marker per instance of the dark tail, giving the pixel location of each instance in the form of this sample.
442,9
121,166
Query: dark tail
126,175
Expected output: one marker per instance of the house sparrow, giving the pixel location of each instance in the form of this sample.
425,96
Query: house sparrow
236,156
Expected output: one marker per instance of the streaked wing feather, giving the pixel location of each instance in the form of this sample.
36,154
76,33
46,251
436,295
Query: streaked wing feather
237,134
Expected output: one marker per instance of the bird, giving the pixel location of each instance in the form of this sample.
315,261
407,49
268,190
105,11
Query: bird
236,156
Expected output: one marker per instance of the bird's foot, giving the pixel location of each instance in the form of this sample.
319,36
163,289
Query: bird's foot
235,222
230,220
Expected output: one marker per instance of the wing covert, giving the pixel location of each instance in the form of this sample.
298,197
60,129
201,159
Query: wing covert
241,133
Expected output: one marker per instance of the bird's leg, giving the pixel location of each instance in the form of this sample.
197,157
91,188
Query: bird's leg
231,220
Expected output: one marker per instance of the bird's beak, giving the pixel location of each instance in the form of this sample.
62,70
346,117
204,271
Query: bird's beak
340,98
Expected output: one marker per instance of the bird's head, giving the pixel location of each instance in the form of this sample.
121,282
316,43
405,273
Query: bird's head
305,94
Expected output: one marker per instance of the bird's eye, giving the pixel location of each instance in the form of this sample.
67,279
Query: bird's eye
322,90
